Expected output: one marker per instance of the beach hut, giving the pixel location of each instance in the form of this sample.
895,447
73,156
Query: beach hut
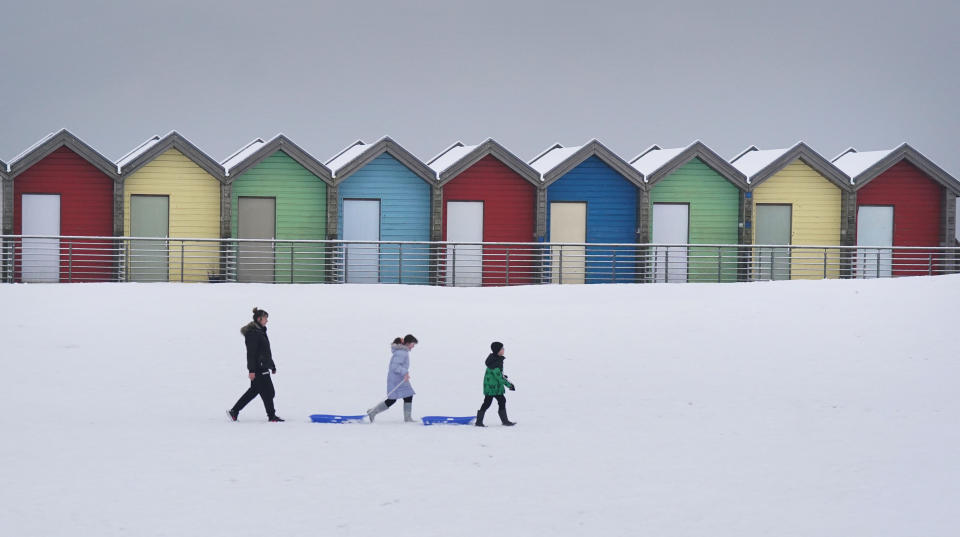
278,191
797,198
591,196
695,197
63,187
384,193
903,199
172,189
488,194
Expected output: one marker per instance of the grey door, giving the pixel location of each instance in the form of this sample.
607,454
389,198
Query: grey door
256,219
149,259
773,225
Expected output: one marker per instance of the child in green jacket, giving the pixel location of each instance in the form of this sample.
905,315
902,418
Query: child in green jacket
494,382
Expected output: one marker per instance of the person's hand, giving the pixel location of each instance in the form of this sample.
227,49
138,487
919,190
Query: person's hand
511,387
273,371
252,376
406,377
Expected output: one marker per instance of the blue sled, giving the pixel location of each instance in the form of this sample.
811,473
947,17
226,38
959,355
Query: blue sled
335,418
447,420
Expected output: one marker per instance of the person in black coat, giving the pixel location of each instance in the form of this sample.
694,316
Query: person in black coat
259,366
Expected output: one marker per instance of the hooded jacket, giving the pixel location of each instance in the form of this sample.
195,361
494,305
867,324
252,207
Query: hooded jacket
493,380
259,357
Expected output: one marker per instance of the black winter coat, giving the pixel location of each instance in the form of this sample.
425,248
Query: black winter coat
259,357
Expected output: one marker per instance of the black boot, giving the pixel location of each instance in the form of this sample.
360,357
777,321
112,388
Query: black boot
479,422
276,418
503,416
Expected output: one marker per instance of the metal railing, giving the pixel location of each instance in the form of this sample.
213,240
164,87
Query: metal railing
143,259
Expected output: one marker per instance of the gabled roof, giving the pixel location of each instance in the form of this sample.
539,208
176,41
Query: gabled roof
358,154
759,165
457,158
556,161
655,163
256,151
53,141
865,166
156,146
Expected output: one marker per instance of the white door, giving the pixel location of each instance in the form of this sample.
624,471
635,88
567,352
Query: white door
361,222
568,223
874,228
465,224
671,225
41,257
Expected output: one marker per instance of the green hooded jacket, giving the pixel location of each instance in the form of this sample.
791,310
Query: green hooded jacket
494,382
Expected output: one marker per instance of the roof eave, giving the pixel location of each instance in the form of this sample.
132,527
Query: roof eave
386,145
594,148
281,143
811,158
491,147
64,138
914,157
713,160
176,141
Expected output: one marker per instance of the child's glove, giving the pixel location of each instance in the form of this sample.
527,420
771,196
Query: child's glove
511,387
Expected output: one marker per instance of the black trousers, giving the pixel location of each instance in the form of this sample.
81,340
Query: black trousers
390,402
501,403
261,385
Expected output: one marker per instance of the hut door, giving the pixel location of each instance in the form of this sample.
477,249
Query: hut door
41,257
361,222
256,219
568,223
874,228
773,226
465,224
149,217
671,226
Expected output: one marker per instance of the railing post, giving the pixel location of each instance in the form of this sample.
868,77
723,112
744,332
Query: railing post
400,263
719,264
183,245
824,263
453,270
507,261
70,264
614,265
930,264
560,264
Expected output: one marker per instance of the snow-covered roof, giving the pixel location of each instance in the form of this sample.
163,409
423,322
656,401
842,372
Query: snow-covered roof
654,158
753,160
241,154
449,156
33,146
346,156
136,152
853,162
552,157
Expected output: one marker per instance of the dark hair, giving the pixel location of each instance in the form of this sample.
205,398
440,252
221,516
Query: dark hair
409,339
397,341
257,313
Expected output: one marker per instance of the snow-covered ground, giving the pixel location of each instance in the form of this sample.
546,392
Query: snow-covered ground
803,409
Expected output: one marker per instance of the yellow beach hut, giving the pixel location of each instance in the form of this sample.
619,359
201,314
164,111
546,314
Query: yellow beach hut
171,190
797,198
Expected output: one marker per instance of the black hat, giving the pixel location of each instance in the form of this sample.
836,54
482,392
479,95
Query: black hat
496,346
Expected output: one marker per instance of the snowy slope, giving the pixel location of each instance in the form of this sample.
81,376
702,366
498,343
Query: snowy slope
806,409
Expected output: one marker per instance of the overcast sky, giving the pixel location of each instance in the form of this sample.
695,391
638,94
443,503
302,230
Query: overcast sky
868,74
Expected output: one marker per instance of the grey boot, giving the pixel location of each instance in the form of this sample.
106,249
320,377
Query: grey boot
381,406
407,411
